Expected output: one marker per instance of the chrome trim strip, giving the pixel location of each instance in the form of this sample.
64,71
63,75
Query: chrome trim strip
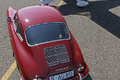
80,76
20,37
46,41
15,27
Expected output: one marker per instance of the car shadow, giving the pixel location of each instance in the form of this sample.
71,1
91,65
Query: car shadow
88,77
97,11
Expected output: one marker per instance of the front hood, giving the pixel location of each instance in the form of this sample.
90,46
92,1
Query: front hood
53,56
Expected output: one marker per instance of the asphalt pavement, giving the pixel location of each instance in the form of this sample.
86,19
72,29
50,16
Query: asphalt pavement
95,27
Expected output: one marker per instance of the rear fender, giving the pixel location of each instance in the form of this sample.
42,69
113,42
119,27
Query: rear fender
26,62
77,53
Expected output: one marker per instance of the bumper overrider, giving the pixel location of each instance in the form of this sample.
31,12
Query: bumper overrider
79,76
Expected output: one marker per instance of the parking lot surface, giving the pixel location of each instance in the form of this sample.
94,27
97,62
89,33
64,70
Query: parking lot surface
95,27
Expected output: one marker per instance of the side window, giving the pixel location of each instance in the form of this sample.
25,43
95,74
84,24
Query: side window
18,28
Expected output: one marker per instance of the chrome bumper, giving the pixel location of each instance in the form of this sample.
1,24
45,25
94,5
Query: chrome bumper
80,76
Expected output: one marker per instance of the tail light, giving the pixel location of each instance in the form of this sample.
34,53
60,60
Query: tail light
81,69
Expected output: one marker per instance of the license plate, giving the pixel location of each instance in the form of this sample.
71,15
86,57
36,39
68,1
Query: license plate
62,76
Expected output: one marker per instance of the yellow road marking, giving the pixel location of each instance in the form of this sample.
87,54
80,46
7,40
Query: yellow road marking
59,4
9,71
14,65
84,13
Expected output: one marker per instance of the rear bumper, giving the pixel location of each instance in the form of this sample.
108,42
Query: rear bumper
85,73
80,76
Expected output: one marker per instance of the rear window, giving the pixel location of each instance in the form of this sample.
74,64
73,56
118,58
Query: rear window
46,32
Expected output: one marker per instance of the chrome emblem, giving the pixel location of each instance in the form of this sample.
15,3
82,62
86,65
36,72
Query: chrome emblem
61,69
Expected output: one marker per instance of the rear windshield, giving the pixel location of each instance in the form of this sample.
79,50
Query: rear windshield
46,32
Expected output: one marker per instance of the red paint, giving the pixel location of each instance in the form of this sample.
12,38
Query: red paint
31,60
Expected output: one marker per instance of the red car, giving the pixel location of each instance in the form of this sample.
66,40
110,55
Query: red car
43,45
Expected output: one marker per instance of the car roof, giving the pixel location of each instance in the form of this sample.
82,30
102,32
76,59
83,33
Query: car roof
38,14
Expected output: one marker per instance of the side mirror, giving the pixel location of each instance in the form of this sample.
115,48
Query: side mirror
9,20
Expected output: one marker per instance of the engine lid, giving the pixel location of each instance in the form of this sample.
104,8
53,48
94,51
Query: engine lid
54,57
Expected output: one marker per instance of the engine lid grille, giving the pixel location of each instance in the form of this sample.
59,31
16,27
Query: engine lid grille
62,54
51,56
56,55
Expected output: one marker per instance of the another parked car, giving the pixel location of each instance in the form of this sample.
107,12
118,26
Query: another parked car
43,45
